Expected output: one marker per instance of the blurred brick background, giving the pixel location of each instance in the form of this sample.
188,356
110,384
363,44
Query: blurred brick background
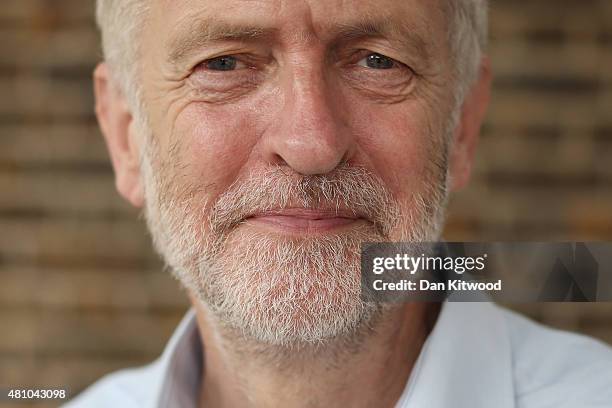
81,293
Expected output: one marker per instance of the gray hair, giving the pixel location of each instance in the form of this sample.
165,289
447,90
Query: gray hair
468,38
119,21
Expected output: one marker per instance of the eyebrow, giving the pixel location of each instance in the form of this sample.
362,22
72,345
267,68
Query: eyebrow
202,33
404,34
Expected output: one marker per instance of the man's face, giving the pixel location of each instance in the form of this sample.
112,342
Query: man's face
281,135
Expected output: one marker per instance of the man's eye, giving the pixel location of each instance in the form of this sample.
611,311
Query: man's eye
377,61
223,63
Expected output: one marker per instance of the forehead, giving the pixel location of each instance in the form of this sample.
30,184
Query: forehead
310,17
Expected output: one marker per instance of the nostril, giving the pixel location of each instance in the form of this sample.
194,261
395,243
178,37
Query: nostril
278,160
309,155
345,159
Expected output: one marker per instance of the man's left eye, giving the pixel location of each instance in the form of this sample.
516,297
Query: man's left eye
377,61
223,63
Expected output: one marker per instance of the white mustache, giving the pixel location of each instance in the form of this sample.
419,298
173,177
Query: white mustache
348,189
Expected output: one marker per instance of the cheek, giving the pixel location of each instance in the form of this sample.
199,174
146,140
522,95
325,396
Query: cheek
397,142
215,144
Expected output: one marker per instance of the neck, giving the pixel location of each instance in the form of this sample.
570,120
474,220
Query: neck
372,371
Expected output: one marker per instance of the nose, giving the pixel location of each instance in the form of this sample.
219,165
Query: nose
310,134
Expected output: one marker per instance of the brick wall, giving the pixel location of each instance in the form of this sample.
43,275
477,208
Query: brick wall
82,294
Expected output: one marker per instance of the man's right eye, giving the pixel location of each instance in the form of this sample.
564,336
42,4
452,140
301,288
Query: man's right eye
377,61
223,63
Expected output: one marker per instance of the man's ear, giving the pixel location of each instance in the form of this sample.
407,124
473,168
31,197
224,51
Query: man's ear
117,125
467,132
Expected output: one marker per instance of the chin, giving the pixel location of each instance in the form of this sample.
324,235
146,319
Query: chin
284,289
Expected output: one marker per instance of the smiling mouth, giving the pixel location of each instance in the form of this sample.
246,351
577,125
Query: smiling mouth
304,220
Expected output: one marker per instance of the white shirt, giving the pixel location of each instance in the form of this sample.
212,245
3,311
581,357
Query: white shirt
478,355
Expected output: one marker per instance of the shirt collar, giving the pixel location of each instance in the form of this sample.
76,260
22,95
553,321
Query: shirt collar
465,362
181,366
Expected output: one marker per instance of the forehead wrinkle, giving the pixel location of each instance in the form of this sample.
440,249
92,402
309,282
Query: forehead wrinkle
196,32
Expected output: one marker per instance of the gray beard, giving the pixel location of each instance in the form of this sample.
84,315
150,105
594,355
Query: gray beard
289,292
274,291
